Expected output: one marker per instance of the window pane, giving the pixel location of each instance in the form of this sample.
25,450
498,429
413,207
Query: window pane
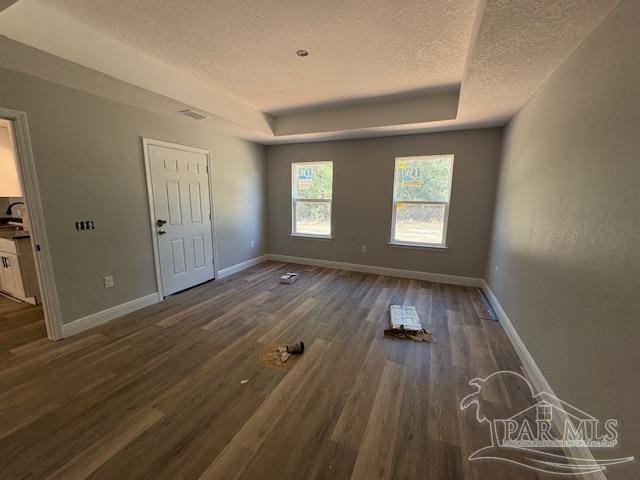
419,223
313,218
313,180
423,179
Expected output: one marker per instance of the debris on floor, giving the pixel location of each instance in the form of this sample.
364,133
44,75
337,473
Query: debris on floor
246,380
419,336
481,304
295,348
406,324
278,356
288,277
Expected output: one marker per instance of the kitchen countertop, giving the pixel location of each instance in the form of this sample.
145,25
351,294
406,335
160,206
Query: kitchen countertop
12,234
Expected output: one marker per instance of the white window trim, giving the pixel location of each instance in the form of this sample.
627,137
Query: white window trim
294,201
447,206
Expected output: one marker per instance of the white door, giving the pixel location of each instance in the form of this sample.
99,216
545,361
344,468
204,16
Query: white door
180,187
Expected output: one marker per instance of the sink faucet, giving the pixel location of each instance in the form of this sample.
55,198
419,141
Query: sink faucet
11,205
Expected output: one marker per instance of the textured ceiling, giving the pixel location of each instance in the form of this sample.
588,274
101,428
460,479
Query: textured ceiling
519,44
358,48
431,65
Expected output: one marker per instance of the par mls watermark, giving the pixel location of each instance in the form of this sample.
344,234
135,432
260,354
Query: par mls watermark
532,436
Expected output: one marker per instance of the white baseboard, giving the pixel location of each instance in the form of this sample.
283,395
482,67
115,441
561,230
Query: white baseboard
225,272
533,372
391,272
107,315
104,316
539,382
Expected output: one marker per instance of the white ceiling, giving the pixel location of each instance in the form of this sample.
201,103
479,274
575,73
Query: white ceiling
358,48
376,67
519,45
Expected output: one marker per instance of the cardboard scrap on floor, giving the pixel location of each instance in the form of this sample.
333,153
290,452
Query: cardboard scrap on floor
406,324
288,277
278,355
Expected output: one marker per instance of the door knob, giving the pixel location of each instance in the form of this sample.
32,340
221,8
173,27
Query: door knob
161,232
160,222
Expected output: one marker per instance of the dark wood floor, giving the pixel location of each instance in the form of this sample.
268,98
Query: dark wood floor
159,393
20,324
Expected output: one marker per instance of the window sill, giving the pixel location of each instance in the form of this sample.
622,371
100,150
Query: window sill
311,237
439,248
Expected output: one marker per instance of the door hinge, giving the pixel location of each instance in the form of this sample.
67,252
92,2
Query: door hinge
206,168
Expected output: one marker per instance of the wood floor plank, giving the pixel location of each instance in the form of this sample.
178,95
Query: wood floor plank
442,400
353,420
413,440
177,390
253,433
480,304
23,407
310,419
375,456
99,452
277,333
197,425
444,457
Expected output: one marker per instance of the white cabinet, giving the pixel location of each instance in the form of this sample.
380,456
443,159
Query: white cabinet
17,270
9,274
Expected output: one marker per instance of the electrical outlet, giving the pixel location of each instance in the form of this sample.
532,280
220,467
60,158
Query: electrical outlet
364,249
108,281
253,244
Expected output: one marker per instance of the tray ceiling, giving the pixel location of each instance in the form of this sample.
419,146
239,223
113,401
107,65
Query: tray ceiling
376,67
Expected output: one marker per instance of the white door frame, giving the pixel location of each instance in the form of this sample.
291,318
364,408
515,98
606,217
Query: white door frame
146,143
39,243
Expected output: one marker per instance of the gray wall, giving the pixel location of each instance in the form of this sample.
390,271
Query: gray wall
565,256
362,195
90,164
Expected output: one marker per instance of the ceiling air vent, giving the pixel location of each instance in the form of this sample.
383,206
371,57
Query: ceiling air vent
195,115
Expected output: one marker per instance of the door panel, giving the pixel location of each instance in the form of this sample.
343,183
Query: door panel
180,187
178,256
199,255
174,203
196,202
170,165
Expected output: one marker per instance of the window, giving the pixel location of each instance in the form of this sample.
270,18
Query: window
421,193
311,193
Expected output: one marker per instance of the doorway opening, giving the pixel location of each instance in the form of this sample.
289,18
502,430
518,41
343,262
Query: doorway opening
29,309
